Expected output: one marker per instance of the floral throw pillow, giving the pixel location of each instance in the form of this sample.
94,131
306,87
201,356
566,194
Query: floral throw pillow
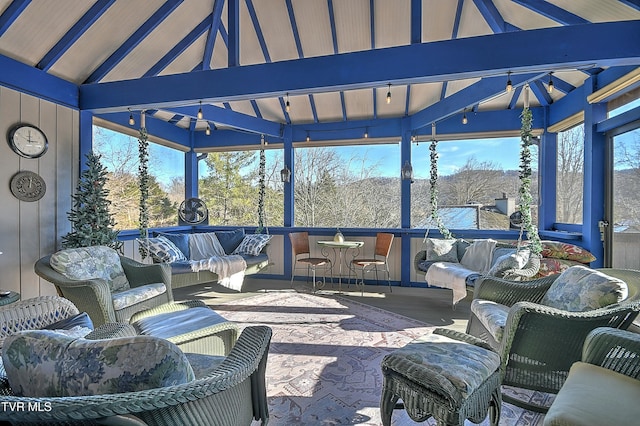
93,262
252,244
441,250
42,363
558,250
580,289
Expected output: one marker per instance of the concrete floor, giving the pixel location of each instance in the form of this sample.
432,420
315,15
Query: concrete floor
430,305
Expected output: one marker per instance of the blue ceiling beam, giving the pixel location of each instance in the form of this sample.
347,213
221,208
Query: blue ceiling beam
454,35
233,43
154,126
11,13
552,12
610,44
465,98
216,22
229,117
74,33
514,97
256,26
372,23
332,23
491,15
136,38
182,45
540,92
634,4
30,80
416,21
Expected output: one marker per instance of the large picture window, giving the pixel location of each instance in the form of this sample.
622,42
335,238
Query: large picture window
348,186
228,183
119,154
477,183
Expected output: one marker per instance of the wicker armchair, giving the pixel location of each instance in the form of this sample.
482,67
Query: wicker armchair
233,394
539,343
94,296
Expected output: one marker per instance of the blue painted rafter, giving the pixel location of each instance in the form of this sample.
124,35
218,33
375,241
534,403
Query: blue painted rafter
634,4
611,44
454,35
183,44
216,23
136,38
416,21
233,41
11,13
540,92
71,36
227,116
514,97
491,15
552,11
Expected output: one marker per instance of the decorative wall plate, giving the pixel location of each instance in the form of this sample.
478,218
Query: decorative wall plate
28,186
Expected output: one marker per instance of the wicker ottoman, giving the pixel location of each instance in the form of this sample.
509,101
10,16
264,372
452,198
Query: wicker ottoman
191,325
447,375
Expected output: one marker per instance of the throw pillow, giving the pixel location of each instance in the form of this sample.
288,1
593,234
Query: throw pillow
478,255
181,241
230,240
507,262
558,250
41,363
205,245
162,250
500,252
80,320
252,244
549,266
441,250
580,289
93,262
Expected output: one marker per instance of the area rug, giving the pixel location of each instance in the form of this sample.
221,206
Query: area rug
324,360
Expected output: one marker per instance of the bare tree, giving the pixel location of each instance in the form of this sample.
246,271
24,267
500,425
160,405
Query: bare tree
475,183
570,175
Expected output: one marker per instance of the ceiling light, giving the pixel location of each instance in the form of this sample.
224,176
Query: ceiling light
550,86
207,131
389,94
464,117
308,137
509,84
200,115
131,119
366,133
287,105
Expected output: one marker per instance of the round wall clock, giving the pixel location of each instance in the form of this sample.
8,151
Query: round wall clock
28,141
28,186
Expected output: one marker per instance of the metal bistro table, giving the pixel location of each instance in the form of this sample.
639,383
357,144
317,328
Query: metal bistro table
338,255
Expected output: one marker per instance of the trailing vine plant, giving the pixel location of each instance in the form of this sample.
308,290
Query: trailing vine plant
435,215
143,183
526,140
261,192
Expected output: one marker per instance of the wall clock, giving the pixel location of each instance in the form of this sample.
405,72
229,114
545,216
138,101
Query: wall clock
28,141
27,186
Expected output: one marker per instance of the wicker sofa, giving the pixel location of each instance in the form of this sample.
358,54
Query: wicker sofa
182,274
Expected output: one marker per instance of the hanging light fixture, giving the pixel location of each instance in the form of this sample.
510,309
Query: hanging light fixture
366,132
464,117
406,173
287,105
509,84
550,85
200,114
308,137
132,121
389,94
285,174
207,131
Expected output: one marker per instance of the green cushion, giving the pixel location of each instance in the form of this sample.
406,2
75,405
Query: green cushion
43,363
91,262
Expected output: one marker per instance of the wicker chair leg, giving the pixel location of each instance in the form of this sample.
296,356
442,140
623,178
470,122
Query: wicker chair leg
387,405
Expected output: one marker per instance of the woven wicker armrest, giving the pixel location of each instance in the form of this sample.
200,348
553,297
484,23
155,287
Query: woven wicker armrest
463,337
507,292
140,274
112,330
617,350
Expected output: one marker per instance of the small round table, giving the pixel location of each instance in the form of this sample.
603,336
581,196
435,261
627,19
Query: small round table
9,298
339,258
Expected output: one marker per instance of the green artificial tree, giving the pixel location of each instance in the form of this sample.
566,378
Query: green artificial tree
91,221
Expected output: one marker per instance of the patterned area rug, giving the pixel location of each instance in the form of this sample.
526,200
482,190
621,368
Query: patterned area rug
324,361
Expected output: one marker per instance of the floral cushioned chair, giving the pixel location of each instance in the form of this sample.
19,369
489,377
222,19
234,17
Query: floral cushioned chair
539,326
109,287
131,380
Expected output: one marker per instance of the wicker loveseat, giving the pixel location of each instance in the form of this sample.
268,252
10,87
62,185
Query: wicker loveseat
538,343
211,390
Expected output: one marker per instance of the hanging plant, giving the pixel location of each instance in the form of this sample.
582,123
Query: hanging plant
435,215
143,183
526,140
261,192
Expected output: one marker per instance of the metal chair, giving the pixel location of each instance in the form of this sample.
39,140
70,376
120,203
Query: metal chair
302,255
380,259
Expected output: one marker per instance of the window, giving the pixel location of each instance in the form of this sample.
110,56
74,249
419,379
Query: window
119,154
228,183
570,175
478,183
348,186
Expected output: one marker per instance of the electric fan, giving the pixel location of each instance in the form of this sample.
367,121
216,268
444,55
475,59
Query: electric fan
193,211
